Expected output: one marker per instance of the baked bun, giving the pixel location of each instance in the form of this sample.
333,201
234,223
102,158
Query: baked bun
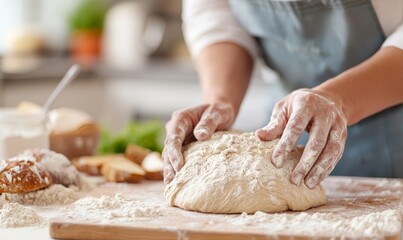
23,174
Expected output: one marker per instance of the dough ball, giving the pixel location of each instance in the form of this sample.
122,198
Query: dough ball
232,173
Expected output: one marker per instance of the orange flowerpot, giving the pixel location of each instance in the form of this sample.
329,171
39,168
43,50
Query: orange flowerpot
86,46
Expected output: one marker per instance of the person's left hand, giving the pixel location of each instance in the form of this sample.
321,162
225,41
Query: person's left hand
323,117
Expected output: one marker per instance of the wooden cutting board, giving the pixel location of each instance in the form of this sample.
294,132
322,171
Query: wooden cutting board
347,196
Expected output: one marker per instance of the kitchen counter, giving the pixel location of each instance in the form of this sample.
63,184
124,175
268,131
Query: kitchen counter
347,197
47,212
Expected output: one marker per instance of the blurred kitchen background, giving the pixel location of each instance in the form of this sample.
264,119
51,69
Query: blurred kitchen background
134,59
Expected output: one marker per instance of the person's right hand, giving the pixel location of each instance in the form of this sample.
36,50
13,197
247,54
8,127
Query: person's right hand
198,122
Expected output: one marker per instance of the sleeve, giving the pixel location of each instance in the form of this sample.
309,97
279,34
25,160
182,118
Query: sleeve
395,39
206,22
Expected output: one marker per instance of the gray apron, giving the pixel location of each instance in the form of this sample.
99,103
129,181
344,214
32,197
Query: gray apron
308,42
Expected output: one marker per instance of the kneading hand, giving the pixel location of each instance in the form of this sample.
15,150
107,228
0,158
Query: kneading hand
198,122
323,117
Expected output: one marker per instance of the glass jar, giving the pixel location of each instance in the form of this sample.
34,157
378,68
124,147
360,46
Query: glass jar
20,131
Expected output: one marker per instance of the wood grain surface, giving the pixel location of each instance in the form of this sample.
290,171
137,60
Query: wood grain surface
348,197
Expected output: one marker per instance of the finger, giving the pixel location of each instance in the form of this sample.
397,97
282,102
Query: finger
173,149
275,127
317,140
209,122
169,172
295,127
176,130
330,155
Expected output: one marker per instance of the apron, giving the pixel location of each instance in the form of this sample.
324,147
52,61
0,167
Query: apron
308,42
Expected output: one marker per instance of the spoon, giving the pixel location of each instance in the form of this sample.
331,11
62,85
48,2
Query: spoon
67,78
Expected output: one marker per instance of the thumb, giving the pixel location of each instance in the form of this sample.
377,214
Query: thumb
275,127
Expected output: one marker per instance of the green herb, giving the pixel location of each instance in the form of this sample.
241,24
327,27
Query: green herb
147,134
89,15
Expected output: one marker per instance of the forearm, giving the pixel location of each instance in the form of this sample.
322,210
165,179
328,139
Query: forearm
224,70
370,87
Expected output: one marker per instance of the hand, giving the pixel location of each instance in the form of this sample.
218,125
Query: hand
198,122
323,117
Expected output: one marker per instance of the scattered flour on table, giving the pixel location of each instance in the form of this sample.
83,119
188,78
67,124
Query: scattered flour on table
115,208
54,195
14,215
374,225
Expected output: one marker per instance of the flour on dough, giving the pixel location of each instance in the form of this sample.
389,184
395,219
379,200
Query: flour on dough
232,173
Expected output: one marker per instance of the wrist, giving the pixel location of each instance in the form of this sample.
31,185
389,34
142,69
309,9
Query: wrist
223,100
336,98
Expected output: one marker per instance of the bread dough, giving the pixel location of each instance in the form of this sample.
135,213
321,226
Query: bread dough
232,173
59,167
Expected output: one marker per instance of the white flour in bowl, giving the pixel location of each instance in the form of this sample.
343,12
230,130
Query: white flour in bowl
54,195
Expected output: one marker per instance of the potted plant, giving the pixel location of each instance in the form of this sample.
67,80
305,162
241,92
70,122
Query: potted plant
86,25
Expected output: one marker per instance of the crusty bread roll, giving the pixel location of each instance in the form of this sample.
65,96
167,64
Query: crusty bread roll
23,174
122,170
136,153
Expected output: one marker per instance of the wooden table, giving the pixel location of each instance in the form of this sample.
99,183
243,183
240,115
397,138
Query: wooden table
348,197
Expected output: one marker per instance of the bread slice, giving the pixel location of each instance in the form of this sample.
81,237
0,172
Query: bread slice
122,170
136,153
92,164
153,166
